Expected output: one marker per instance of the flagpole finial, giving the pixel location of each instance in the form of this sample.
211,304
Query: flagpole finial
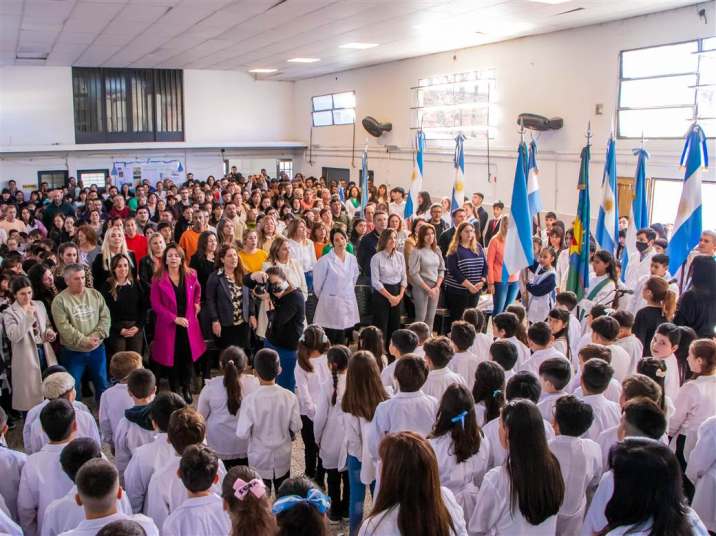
589,133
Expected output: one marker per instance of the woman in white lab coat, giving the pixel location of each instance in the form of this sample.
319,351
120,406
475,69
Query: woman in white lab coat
701,470
334,279
523,495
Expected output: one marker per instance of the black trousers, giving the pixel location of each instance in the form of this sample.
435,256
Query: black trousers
689,488
339,497
385,317
336,336
276,481
457,301
228,464
235,336
314,467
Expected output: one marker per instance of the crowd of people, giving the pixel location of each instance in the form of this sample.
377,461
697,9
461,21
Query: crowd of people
466,400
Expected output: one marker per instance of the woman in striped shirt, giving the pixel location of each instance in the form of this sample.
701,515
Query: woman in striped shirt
466,271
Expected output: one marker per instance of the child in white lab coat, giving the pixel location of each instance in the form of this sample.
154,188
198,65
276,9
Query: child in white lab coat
115,400
135,428
580,461
701,471
269,420
311,372
505,327
594,351
504,353
656,370
559,323
523,495
481,345
438,354
301,508
605,331
220,405
464,362
488,391
554,376
567,301
11,464
202,512
330,431
402,342
665,342
542,289
596,375
411,499
541,343
423,331
371,339
248,506
626,339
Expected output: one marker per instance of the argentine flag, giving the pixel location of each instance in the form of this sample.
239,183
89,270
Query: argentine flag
638,212
458,189
416,180
364,181
688,225
608,220
518,243
533,182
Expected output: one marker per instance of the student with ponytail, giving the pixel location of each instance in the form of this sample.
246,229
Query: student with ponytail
330,432
301,508
220,405
558,320
603,286
246,502
488,391
660,307
664,344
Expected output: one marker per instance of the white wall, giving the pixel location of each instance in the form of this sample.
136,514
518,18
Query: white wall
559,74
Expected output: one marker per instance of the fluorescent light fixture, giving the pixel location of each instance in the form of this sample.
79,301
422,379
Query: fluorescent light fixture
359,46
553,2
262,71
303,60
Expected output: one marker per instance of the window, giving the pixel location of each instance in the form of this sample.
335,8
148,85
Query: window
335,109
53,178
666,195
88,177
286,166
335,174
446,105
128,105
663,88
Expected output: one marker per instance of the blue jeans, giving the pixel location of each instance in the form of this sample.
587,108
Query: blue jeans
96,361
505,294
287,378
356,495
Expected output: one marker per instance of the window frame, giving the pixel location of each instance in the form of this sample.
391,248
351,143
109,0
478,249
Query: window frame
64,172
105,171
332,109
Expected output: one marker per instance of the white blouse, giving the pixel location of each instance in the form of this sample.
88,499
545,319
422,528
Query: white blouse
308,384
701,470
695,403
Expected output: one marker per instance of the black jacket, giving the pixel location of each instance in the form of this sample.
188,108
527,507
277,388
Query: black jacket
286,320
367,247
218,300
444,240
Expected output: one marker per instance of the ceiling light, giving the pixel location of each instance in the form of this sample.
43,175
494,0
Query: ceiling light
262,71
303,60
359,46
550,1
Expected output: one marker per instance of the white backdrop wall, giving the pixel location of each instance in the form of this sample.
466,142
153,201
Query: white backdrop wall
561,74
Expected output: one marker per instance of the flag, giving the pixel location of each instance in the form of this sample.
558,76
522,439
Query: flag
533,182
518,242
608,220
688,225
364,181
416,179
578,278
458,189
638,211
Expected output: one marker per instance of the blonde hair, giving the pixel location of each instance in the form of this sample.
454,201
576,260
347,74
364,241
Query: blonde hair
455,242
504,225
107,254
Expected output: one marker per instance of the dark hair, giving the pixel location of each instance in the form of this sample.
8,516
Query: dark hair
536,483
404,340
661,258
567,298
643,417
122,527
597,311
475,317
705,349
523,385
203,243
251,516
303,519
655,369
465,432
267,364
370,338
411,372
96,479
439,351
505,353
688,335
624,318
647,487
489,388
314,339
141,383
595,351
703,275
670,331
648,231
606,327
364,390
57,418
198,468
162,407
573,416
186,427
557,371
521,313
76,453
462,334
507,322
338,357
18,283
233,362
596,375
539,333
608,259
564,317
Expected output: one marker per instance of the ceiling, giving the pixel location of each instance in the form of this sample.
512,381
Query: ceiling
249,34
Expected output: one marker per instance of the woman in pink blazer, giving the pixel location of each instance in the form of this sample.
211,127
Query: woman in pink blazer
175,297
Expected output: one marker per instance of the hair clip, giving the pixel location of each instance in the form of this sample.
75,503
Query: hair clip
230,362
255,486
314,497
460,418
496,393
660,373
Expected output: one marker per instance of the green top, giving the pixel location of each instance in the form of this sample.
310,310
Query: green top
79,316
328,247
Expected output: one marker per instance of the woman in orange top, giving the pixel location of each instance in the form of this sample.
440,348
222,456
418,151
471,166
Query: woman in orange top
503,293
319,235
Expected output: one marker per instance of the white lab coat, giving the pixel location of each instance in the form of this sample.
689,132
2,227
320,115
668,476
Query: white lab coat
413,412
308,384
11,464
605,295
439,380
612,393
540,356
42,481
357,439
128,437
304,254
493,515
334,284
145,460
34,416
622,362
112,404
465,364
328,425
198,516
65,514
610,437
523,353
634,349
498,453
701,470
606,414
86,427
695,403
696,527
220,424
481,346
387,377
90,527
7,525
581,464
386,523
637,270
546,404
268,416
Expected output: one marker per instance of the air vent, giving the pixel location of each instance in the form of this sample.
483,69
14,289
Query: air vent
31,56
570,11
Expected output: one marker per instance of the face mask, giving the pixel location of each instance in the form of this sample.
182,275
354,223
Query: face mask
279,287
642,246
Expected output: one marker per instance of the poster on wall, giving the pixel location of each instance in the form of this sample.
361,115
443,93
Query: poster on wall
133,172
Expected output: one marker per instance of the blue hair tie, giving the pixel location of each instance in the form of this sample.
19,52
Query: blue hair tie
314,497
459,418
496,393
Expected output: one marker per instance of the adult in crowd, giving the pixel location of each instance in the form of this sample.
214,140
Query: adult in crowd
56,206
445,238
68,253
204,260
388,277
252,257
113,244
43,284
696,307
87,244
127,304
466,271
301,249
368,245
480,212
152,262
136,241
189,240
226,232
493,226
426,269
503,292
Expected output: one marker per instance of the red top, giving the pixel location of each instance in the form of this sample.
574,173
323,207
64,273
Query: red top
138,246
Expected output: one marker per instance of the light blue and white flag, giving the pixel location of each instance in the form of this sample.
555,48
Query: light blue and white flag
638,211
608,221
518,242
533,182
416,179
364,181
688,225
458,189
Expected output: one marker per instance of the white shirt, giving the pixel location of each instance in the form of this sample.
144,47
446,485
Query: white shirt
606,414
328,427
304,254
308,384
34,416
334,285
523,353
397,208
268,416
465,364
695,403
220,424
633,347
540,356
610,437
386,522
11,464
128,437
65,514
637,299
546,404
581,464
622,363
145,460
701,470
481,346
671,381
7,525
494,516
645,528
86,427
90,527
387,377
612,393
357,445
439,380
198,516
498,453
112,404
